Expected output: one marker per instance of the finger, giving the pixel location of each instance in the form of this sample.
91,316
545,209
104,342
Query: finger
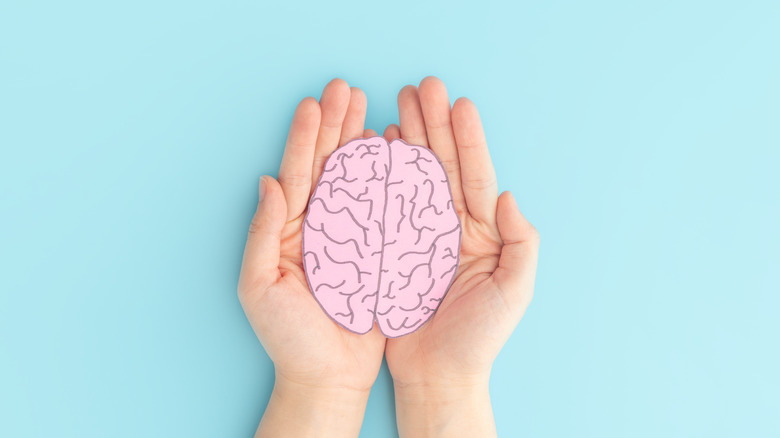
410,117
392,132
478,178
516,270
334,102
295,170
260,266
369,133
355,118
436,112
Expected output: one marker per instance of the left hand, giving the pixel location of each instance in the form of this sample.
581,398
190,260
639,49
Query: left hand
450,357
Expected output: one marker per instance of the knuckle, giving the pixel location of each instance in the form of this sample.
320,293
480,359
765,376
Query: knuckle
333,125
241,292
295,180
438,125
451,166
533,232
254,228
472,145
319,163
532,237
479,183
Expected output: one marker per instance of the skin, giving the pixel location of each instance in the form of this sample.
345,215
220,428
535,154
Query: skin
440,372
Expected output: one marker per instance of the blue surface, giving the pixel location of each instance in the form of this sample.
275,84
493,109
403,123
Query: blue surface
641,138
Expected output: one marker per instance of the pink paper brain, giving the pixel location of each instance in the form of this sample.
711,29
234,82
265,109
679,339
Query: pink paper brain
381,238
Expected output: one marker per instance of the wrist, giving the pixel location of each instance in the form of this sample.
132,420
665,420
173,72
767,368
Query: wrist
452,408
308,410
338,395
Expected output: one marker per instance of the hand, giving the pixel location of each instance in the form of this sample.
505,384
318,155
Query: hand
441,371
323,372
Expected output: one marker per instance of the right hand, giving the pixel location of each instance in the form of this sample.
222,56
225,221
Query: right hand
306,347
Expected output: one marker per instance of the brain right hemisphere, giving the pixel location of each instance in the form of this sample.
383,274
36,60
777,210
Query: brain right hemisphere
381,239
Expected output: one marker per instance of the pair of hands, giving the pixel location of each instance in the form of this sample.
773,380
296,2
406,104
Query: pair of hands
440,372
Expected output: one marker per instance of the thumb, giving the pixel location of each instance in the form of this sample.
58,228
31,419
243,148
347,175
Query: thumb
516,270
260,267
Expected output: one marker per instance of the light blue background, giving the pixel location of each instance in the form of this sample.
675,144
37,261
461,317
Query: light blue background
641,138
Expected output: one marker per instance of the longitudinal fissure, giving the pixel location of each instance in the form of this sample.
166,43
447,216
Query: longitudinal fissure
388,172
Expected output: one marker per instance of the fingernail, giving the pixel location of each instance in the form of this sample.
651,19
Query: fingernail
262,189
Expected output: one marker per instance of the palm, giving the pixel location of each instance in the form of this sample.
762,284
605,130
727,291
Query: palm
304,344
320,352
494,281
472,312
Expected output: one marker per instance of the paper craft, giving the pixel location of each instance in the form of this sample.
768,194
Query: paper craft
381,238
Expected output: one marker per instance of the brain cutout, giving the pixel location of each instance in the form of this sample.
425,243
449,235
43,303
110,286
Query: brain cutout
381,238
